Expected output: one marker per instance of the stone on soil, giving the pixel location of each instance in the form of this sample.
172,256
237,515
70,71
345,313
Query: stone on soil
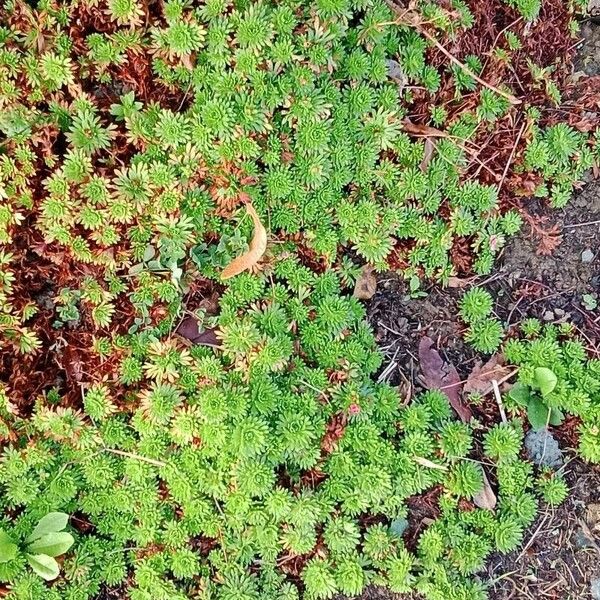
543,449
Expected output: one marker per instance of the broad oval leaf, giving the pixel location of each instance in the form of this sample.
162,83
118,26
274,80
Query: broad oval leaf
545,380
8,549
52,544
51,523
538,413
43,565
258,246
520,394
556,417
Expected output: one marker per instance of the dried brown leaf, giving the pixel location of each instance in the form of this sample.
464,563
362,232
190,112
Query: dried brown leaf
457,282
486,498
427,154
366,284
441,375
480,379
258,246
422,130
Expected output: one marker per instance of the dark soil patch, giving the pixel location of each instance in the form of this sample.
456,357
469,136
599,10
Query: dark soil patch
561,555
400,322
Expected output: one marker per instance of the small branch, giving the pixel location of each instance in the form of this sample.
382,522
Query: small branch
512,155
574,225
466,69
498,397
405,19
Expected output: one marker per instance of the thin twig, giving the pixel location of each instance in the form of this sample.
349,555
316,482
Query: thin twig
498,397
156,463
512,155
466,69
574,225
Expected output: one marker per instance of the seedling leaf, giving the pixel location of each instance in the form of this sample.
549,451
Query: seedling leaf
545,380
52,544
51,523
43,565
8,549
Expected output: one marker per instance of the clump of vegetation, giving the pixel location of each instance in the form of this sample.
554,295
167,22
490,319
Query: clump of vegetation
556,377
485,332
179,187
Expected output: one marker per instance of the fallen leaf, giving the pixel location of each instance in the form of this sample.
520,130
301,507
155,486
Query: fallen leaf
457,282
422,130
480,379
486,498
396,73
427,154
366,284
190,330
440,375
258,245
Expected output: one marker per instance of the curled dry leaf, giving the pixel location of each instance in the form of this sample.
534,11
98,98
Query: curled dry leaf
258,245
366,284
486,498
457,282
438,374
481,377
422,130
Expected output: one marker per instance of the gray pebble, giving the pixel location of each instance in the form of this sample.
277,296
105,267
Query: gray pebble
548,316
595,588
543,449
581,540
587,256
559,312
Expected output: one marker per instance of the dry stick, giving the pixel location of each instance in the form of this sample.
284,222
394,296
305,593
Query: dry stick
532,539
498,397
574,225
466,69
511,157
156,463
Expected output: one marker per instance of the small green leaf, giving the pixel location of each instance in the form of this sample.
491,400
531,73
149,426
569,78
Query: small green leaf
149,253
398,527
520,394
44,566
556,417
51,523
538,413
589,302
545,380
52,544
8,549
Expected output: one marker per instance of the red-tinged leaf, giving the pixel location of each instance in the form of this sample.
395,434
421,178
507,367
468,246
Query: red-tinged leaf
441,375
550,239
258,245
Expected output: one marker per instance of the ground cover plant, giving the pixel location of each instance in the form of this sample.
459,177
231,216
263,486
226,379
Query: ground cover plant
189,192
